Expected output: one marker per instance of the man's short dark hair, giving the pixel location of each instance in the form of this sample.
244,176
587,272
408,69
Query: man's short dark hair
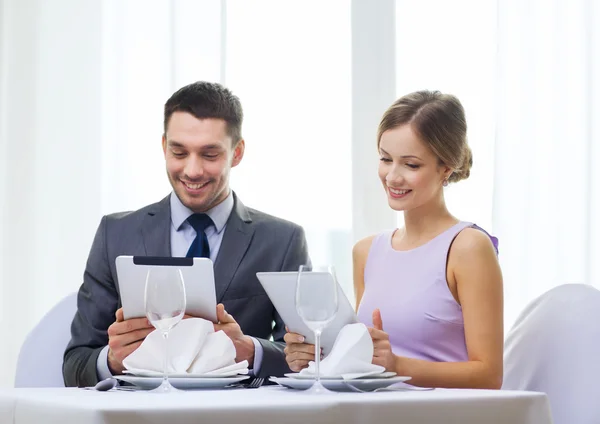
208,100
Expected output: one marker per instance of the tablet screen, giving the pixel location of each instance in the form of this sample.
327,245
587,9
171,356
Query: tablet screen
281,289
198,278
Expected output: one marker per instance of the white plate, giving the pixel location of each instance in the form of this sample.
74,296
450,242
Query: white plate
339,385
182,383
146,373
298,376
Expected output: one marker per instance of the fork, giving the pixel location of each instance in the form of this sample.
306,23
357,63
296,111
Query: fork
255,383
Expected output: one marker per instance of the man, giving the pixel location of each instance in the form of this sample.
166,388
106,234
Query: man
202,141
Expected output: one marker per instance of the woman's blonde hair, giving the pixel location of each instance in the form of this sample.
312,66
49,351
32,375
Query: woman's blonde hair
439,121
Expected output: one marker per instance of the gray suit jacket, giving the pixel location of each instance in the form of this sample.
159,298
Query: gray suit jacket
253,242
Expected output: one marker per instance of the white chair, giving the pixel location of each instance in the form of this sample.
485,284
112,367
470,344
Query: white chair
554,347
41,355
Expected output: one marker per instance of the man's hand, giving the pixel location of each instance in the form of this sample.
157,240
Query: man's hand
123,338
297,353
244,346
382,349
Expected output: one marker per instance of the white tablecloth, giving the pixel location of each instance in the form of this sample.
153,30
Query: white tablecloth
272,404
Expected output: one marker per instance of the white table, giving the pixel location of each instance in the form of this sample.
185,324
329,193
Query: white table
272,404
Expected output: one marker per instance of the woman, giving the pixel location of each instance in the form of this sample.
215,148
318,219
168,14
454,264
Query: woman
431,290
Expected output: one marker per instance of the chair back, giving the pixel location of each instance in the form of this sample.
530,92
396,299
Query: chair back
554,347
41,356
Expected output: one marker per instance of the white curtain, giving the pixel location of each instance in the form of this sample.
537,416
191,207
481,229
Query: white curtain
527,72
51,142
547,184
451,46
82,88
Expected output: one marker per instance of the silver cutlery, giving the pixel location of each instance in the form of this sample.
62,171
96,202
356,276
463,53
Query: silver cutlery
104,385
255,383
110,384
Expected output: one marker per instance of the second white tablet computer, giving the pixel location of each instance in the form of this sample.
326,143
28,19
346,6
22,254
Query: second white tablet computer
198,277
281,289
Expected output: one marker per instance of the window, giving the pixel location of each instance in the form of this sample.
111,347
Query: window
454,51
289,62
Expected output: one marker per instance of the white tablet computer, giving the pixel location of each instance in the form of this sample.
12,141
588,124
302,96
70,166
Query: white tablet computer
281,289
198,277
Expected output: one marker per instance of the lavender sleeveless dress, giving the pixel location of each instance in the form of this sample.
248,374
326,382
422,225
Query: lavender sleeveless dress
419,313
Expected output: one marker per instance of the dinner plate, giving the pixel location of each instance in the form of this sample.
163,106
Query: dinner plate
366,384
182,383
297,375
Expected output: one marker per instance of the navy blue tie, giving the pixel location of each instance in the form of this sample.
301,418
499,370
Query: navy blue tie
199,247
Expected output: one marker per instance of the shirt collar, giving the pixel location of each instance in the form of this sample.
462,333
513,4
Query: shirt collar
219,214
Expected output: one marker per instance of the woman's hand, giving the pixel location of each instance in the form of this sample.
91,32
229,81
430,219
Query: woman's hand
382,349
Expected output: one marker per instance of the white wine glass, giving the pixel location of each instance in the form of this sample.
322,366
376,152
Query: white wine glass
317,305
164,300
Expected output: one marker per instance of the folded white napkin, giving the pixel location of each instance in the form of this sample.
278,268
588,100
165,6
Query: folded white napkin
350,356
194,348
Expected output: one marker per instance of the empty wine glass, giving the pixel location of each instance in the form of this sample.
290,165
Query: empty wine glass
317,305
165,306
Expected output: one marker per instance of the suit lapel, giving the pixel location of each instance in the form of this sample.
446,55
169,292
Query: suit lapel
236,240
156,229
